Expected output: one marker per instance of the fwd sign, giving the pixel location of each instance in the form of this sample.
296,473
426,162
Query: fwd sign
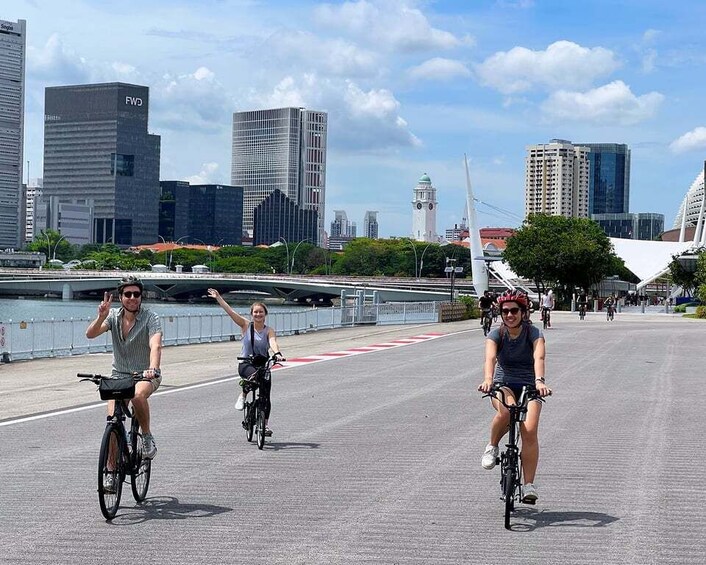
133,101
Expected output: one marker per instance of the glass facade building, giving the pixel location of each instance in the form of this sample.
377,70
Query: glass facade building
13,44
609,178
280,217
281,149
97,147
211,214
645,226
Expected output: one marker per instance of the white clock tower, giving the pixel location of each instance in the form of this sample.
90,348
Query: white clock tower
424,211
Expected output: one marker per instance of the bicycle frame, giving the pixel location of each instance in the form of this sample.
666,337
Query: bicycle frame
510,458
255,410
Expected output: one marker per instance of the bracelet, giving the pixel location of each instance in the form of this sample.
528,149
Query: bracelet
540,379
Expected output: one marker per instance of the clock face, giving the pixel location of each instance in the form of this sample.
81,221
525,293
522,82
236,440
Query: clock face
431,206
419,205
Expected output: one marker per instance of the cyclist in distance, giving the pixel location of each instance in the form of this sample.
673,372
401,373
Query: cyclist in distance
258,340
610,306
547,304
485,303
582,300
514,357
136,333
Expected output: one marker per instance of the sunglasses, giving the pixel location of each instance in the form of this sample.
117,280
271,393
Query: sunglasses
512,311
132,294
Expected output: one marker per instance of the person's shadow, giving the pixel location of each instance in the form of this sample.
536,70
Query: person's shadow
526,519
166,508
281,445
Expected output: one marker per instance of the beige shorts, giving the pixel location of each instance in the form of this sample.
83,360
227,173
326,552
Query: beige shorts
155,382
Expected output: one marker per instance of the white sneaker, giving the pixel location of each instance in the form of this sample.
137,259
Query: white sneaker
109,482
529,494
490,457
149,449
240,403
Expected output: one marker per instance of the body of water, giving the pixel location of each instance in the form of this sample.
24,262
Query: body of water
47,308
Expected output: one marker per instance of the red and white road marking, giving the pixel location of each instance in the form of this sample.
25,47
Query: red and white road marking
360,350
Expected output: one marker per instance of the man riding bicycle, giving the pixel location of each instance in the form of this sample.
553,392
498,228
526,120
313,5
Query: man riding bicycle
610,306
136,333
582,301
485,303
547,305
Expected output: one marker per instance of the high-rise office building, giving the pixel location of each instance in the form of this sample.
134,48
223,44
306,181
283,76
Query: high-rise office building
12,110
281,149
97,148
608,178
646,226
370,224
32,193
556,179
210,214
340,225
278,217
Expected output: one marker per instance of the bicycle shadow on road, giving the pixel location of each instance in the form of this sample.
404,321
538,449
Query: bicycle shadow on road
531,519
282,445
166,508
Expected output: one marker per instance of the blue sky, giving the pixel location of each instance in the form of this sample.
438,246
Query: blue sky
410,86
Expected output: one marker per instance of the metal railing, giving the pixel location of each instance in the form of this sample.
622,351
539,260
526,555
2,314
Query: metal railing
33,339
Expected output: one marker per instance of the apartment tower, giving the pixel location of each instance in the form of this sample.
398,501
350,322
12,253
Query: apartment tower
556,179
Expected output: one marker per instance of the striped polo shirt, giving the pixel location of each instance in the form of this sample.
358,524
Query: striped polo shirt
132,354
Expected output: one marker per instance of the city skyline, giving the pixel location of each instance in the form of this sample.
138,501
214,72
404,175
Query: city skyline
408,86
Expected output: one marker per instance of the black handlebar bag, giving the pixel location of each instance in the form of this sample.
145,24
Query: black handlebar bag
121,388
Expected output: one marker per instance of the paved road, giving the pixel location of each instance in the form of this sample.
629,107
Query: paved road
375,459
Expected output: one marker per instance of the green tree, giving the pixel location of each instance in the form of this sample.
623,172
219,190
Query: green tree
688,280
561,253
47,240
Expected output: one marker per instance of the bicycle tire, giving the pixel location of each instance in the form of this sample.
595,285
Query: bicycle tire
110,501
509,484
487,323
545,320
249,419
141,469
260,427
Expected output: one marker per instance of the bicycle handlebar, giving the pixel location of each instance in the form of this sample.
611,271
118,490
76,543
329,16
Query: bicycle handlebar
271,361
96,378
529,393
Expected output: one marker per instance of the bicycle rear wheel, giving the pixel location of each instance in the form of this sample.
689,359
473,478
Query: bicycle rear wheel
141,467
111,471
260,427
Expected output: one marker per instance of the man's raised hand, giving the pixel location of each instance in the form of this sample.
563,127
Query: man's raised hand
104,307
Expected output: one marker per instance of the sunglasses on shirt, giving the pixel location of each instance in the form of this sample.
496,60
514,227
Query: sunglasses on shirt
132,294
513,311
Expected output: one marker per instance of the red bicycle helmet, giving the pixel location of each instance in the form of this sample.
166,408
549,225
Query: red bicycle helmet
514,296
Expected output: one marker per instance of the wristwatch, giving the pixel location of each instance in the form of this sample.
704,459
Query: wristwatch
540,379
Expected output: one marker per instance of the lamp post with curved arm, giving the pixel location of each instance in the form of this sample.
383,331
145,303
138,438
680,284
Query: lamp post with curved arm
294,253
171,251
286,266
421,261
208,248
414,248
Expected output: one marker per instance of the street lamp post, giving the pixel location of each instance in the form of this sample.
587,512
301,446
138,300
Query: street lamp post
451,270
208,248
294,253
414,248
421,261
57,245
171,251
286,267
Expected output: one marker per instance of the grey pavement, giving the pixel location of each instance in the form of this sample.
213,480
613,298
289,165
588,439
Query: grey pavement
376,457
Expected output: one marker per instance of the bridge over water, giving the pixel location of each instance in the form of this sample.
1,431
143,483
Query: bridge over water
69,284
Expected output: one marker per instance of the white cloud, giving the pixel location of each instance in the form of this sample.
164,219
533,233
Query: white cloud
612,103
191,101
54,62
396,24
690,141
288,49
439,69
359,120
208,175
563,64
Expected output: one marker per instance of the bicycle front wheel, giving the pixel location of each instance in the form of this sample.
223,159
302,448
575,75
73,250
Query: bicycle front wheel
111,471
260,428
249,419
141,467
509,492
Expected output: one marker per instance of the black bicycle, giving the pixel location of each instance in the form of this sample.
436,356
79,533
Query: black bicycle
510,460
120,452
254,407
487,321
546,317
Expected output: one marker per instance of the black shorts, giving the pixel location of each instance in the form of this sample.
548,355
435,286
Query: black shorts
516,389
